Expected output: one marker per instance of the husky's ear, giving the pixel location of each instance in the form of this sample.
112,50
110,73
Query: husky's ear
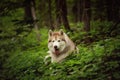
50,32
61,32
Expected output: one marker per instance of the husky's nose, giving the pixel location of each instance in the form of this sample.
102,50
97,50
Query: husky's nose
55,47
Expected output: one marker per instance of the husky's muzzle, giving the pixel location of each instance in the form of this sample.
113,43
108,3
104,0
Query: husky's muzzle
56,49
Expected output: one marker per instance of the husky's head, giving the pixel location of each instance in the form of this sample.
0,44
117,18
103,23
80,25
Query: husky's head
56,42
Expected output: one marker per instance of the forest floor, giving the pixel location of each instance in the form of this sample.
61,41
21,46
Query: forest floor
22,59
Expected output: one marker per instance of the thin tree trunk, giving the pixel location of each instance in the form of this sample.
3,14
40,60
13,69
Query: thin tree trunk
61,14
50,15
113,10
30,15
58,13
109,10
27,10
77,10
81,10
86,15
34,19
86,19
64,14
74,10
100,7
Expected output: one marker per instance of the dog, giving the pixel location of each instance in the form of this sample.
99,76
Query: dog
60,46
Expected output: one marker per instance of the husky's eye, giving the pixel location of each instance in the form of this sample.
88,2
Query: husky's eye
49,41
58,40
53,41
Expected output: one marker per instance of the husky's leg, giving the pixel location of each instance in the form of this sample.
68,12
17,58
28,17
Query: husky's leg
45,59
77,50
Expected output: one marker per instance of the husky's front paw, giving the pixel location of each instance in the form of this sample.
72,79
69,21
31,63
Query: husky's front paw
47,59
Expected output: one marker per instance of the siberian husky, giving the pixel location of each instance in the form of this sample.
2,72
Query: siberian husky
60,46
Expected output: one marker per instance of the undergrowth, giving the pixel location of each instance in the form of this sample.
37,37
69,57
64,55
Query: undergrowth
23,59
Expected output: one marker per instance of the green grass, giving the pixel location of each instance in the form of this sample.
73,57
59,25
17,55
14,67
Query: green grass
97,61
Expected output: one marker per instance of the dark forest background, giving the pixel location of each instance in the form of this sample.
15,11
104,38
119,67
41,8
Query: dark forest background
94,26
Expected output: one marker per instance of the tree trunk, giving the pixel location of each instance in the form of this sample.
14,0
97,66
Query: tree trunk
86,15
34,19
116,10
77,10
74,11
58,13
27,10
86,19
50,15
100,7
64,14
61,13
113,10
80,10
30,15
109,10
